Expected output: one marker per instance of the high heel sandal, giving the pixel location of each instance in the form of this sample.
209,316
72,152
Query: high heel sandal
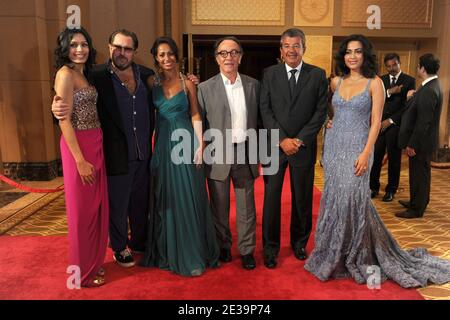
98,281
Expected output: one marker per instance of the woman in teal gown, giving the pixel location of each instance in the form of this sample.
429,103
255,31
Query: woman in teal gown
181,231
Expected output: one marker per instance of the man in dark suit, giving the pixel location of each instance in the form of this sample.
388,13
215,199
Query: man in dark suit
294,103
397,84
419,134
229,102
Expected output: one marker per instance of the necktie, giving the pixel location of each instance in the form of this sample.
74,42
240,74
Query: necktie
292,81
393,81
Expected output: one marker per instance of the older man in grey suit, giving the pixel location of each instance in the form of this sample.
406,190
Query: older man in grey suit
229,104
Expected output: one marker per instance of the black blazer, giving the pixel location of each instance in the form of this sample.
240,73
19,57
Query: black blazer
395,105
420,122
301,116
115,145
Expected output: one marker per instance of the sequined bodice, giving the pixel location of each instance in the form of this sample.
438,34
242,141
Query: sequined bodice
345,141
84,114
351,121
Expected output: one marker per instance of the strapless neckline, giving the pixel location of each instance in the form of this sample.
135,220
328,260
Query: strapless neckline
84,88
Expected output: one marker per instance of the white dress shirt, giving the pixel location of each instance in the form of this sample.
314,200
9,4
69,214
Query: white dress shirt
390,81
238,108
424,82
297,74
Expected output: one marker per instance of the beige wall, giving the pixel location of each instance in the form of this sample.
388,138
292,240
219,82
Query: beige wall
27,133
336,29
136,15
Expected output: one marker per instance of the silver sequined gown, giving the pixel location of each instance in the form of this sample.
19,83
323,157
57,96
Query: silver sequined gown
350,235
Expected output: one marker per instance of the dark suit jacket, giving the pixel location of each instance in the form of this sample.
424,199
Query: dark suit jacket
420,122
301,116
395,105
115,145
216,114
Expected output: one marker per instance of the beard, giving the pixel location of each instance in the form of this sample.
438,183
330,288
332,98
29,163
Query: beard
121,62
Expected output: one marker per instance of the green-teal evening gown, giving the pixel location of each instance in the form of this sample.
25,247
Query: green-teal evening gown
181,234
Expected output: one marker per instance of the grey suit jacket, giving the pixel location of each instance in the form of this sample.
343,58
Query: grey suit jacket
216,114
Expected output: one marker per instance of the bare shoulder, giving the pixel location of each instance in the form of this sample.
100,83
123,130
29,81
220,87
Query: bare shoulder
334,83
64,79
376,83
377,88
65,73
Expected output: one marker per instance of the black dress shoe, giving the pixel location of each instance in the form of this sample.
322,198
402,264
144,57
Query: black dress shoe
270,262
404,203
407,215
300,253
248,262
225,255
388,197
373,194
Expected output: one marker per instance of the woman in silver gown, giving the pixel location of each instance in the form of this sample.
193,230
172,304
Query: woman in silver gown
351,239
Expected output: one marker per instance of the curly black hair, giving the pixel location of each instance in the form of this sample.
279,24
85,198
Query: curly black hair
63,48
369,67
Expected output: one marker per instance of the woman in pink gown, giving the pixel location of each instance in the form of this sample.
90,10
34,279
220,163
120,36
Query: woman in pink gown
82,158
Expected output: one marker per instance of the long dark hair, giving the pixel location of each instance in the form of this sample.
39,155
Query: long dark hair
63,47
369,67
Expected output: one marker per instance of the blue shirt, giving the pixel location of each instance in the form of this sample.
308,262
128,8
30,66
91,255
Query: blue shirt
134,109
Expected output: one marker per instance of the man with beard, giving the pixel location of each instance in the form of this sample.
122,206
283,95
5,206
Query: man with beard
126,113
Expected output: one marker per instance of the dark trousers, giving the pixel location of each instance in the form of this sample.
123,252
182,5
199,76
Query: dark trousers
419,182
302,182
387,141
128,202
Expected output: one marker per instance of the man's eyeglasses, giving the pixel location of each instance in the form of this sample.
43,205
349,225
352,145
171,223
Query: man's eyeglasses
232,53
120,48
294,46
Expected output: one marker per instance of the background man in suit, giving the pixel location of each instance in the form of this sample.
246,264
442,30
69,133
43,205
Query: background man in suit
126,113
294,102
419,134
229,101
398,84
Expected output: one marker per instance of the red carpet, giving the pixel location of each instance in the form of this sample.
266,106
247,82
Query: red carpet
34,268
